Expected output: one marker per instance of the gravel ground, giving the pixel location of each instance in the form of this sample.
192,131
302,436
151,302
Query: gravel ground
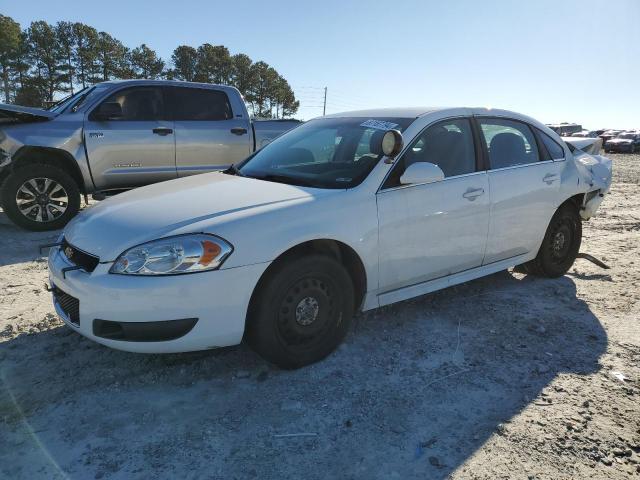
509,376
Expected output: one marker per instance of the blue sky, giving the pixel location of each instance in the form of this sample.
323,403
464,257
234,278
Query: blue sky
556,60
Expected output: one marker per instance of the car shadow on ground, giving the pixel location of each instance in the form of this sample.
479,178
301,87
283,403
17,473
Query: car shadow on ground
414,391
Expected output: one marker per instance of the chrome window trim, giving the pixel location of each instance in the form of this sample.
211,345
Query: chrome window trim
402,187
522,165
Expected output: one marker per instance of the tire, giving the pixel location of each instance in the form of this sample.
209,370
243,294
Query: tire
40,197
301,311
560,246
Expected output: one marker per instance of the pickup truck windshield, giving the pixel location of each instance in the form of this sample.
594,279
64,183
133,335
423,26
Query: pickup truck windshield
63,103
323,153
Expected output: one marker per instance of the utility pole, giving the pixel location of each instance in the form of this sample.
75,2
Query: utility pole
324,106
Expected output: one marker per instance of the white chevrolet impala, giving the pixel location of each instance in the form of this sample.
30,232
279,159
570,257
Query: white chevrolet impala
343,214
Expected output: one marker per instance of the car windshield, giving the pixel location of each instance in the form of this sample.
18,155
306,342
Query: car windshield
627,135
323,153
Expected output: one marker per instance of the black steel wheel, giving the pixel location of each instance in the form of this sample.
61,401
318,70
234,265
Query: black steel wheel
560,246
300,311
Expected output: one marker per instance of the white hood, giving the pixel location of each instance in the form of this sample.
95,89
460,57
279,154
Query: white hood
166,208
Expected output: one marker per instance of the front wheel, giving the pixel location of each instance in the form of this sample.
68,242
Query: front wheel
560,246
301,311
40,197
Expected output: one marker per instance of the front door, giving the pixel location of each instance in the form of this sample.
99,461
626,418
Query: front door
135,149
428,231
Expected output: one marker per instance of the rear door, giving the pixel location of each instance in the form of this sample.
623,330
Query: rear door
525,188
209,134
133,150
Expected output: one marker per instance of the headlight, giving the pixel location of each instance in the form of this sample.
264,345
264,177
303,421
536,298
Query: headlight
174,255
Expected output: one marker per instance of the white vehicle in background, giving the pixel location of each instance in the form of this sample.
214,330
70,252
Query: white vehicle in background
345,213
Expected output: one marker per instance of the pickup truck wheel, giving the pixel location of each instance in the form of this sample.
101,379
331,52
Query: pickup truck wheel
560,246
301,311
40,197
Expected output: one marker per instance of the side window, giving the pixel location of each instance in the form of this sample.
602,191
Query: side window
139,103
556,152
199,104
448,144
509,142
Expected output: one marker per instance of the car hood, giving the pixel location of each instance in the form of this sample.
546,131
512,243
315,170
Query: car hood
18,114
170,208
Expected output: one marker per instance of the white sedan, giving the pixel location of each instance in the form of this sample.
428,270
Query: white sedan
343,214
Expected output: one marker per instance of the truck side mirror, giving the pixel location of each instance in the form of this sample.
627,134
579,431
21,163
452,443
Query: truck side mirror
108,111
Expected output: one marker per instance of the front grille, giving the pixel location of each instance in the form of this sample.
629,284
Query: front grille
69,305
76,256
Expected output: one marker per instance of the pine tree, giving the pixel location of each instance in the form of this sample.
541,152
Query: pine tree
86,52
46,55
66,46
185,61
146,63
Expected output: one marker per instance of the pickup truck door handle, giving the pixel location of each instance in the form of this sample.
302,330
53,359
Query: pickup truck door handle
238,130
472,193
162,131
549,178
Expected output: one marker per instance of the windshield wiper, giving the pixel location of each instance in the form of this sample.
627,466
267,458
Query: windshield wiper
233,170
272,177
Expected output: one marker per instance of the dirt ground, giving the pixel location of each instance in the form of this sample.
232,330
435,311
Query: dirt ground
509,376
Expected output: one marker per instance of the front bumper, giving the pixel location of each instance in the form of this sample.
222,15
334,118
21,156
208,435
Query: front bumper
218,299
624,147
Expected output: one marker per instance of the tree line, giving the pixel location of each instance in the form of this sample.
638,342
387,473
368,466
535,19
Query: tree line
43,62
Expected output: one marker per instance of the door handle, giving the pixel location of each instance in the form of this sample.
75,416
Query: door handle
472,193
549,178
162,131
238,130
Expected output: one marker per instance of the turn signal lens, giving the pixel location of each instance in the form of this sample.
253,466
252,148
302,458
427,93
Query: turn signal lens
211,251
174,255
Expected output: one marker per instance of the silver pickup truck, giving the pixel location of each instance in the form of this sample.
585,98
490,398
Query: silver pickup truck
119,135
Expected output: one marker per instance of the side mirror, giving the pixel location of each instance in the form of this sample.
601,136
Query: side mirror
421,172
108,111
391,143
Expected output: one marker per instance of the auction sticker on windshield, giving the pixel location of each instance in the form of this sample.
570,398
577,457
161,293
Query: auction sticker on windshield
379,124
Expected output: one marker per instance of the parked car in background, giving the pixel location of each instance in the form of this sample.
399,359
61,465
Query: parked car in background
565,129
587,133
119,135
345,213
626,142
609,134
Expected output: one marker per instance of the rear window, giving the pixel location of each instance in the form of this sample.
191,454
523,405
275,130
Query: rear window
556,152
509,142
198,104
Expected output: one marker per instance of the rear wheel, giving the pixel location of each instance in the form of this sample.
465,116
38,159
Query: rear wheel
301,311
560,246
40,197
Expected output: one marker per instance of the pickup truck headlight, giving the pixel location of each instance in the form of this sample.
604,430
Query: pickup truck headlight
174,255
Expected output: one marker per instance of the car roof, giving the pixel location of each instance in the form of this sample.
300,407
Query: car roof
415,112
178,83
